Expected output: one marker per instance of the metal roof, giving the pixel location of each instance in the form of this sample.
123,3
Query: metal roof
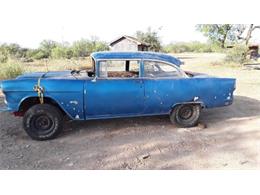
129,38
136,55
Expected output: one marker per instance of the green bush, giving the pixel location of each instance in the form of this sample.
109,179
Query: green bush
80,48
61,52
85,47
237,54
9,71
3,56
37,54
12,51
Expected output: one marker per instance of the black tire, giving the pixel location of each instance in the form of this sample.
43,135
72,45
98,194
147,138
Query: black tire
186,115
43,122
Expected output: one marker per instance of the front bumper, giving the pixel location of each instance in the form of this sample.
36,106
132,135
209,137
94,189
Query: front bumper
4,109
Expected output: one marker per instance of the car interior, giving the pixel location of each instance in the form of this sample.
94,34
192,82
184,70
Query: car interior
119,68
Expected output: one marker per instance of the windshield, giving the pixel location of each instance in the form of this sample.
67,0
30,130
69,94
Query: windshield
89,69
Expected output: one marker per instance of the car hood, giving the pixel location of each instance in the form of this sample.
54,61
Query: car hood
52,74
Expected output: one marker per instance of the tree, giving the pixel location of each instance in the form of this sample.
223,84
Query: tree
94,44
49,48
250,29
79,48
46,47
85,47
222,33
151,37
62,51
14,50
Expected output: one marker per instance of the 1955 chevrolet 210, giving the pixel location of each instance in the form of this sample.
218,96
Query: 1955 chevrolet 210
120,84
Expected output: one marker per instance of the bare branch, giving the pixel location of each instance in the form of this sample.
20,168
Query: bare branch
255,27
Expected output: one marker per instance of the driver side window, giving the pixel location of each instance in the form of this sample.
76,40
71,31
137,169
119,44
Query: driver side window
119,69
154,69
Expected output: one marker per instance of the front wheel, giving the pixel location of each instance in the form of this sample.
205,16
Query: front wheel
186,115
43,122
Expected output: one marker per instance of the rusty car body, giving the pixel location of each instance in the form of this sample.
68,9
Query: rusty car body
120,84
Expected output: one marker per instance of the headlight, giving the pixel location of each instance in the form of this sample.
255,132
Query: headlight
1,88
5,100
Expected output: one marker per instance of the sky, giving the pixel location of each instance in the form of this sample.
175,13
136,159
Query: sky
28,22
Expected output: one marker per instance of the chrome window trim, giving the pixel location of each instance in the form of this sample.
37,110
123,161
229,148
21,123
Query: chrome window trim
181,72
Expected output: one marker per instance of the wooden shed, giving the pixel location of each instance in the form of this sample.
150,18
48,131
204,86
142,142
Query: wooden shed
253,51
128,43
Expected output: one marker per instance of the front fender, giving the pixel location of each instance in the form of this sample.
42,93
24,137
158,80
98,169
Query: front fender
67,107
5,109
68,94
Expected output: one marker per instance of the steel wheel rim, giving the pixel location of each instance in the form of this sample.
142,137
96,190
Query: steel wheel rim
43,124
185,112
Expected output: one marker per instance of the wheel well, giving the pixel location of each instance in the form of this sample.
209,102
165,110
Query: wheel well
31,101
185,103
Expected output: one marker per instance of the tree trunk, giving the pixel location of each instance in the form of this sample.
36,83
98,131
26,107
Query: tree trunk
249,33
227,29
223,41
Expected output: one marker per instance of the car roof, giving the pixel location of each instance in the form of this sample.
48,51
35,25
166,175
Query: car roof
136,55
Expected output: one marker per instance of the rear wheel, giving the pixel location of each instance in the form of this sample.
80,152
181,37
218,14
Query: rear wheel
43,122
186,115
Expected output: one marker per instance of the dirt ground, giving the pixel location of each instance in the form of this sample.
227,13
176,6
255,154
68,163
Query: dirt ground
230,141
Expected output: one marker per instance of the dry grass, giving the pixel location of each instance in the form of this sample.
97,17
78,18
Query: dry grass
56,65
14,67
201,58
10,70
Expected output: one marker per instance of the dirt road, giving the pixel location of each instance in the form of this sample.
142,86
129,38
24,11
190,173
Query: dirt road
230,141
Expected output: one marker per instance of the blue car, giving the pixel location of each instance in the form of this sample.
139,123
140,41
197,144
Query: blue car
120,84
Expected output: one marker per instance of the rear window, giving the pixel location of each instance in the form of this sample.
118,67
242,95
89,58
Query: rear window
160,69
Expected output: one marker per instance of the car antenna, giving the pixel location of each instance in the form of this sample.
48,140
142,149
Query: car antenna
46,64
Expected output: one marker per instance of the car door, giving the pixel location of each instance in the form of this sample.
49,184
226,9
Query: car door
111,96
162,83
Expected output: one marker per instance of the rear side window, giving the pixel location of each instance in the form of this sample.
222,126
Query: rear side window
154,69
119,69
